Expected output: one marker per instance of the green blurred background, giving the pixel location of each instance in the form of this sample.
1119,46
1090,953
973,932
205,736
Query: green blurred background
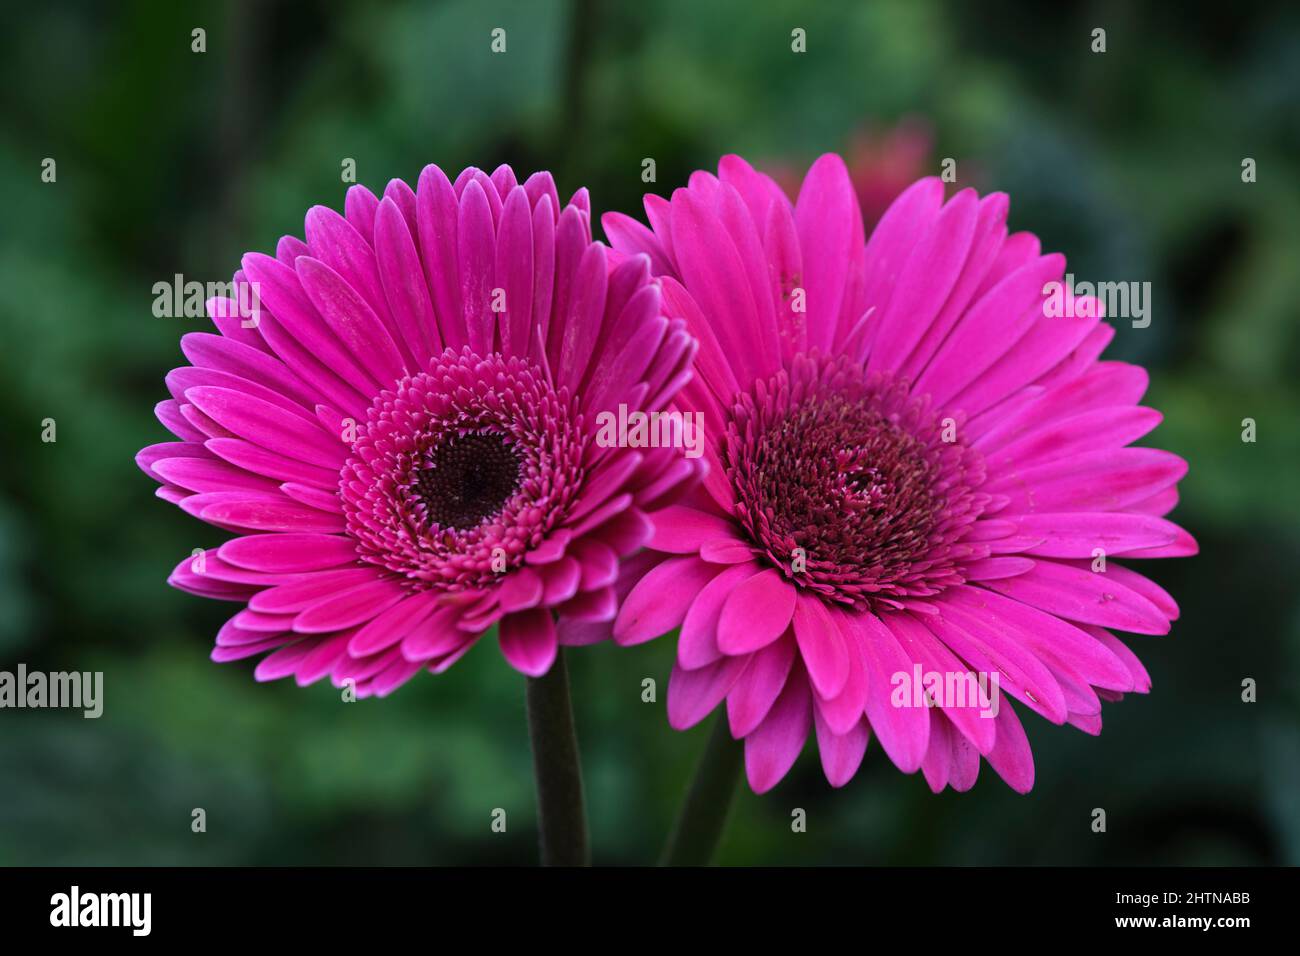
170,161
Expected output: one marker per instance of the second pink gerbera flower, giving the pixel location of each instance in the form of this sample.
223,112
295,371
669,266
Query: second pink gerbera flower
404,434
914,468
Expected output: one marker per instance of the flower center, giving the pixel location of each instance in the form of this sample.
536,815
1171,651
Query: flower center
852,487
469,479
461,469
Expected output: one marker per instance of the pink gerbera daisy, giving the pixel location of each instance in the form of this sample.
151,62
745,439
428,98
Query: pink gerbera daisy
402,433
916,469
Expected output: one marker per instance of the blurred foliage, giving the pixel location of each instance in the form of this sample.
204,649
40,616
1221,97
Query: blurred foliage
175,162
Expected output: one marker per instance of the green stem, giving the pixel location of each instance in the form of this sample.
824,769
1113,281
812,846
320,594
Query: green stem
561,811
704,814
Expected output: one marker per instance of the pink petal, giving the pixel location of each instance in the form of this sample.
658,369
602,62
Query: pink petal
937,764
903,732
1045,635
964,765
841,754
322,659
680,529
1081,595
598,562
821,646
317,498
846,708
1011,756
222,655
391,678
1153,592
352,320
560,581
988,648
338,245
390,627
544,217
627,235
727,550
693,694
302,336
436,210
359,207
257,460
771,750
595,606
433,636
219,353
289,552
1094,430
659,601
405,290
1078,534
990,231
268,425
354,606
925,282
989,329
582,328
697,645
309,589
1095,481
476,254
283,662
893,238
522,588
785,266
756,613
261,512
528,641
968,715
206,474
1141,679
830,230
514,272
757,689
989,569
713,271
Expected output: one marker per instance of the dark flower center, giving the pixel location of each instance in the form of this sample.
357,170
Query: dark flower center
469,479
461,469
847,484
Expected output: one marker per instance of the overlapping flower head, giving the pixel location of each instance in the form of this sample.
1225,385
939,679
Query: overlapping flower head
402,432
915,469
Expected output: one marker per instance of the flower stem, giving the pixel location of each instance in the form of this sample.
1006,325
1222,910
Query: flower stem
561,811
704,814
